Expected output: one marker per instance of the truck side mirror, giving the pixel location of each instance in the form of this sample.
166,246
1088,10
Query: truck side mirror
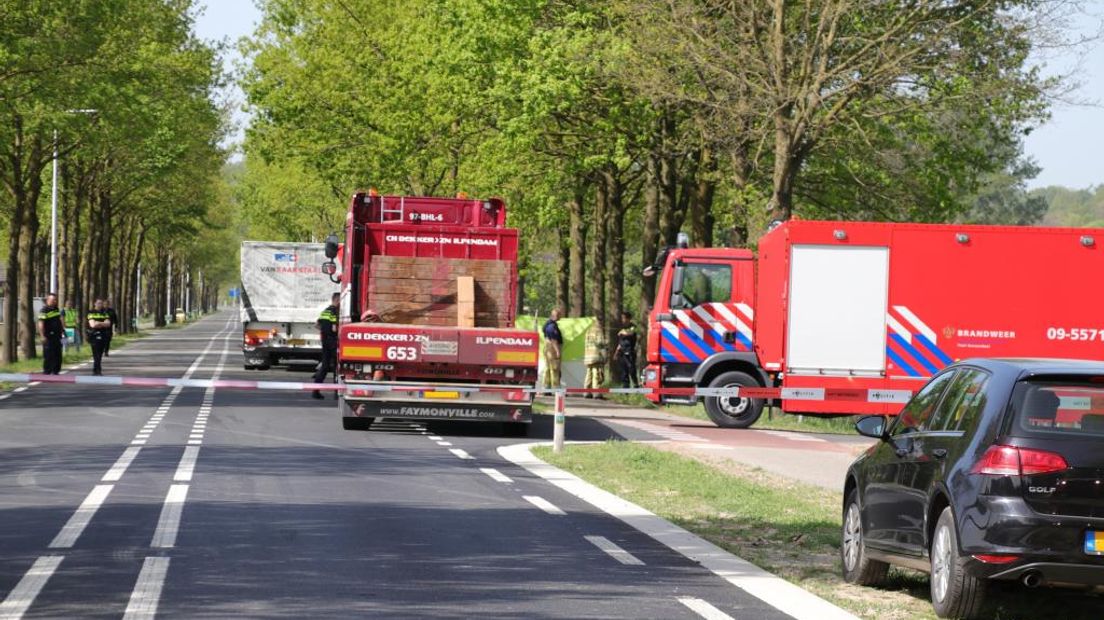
676,278
330,268
331,247
677,301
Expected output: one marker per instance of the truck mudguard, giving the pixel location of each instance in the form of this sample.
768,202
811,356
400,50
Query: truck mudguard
726,357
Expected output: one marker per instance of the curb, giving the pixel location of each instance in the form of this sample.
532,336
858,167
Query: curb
773,590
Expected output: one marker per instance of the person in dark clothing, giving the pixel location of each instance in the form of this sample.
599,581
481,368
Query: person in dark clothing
114,318
626,351
327,328
51,330
553,350
99,323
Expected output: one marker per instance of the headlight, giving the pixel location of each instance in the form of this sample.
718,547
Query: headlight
650,375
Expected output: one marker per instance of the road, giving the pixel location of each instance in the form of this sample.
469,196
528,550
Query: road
130,502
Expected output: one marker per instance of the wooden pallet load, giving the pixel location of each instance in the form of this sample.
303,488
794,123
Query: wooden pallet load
440,291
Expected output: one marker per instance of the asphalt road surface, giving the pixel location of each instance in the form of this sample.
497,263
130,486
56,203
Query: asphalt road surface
134,502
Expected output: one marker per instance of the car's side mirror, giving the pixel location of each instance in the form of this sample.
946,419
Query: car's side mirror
871,426
331,247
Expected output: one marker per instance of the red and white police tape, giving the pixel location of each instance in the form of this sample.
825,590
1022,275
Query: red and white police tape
784,393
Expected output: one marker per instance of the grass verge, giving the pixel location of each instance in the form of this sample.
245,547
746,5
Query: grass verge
774,419
788,528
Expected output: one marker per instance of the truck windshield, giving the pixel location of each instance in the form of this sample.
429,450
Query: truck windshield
1071,407
704,283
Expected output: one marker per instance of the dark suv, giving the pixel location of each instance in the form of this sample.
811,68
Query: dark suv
994,470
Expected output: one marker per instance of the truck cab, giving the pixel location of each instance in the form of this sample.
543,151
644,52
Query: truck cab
701,332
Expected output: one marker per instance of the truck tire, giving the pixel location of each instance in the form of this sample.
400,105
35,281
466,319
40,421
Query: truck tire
729,412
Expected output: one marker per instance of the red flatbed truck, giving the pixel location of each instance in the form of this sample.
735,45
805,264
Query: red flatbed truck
439,276
851,317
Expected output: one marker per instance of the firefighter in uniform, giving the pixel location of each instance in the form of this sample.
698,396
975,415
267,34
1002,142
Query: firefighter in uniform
594,356
51,330
99,324
626,351
327,327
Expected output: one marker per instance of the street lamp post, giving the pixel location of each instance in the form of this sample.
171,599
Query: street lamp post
53,205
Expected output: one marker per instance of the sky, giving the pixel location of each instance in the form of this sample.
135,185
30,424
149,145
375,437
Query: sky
1068,147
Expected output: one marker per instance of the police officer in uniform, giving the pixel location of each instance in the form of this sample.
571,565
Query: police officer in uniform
626,351
327,327
99,324
51,330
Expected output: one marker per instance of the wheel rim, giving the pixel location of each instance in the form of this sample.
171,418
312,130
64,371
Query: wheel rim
852,537
941,563
735,407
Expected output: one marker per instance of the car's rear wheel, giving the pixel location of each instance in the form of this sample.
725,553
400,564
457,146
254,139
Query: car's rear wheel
954,592
733,411
857,567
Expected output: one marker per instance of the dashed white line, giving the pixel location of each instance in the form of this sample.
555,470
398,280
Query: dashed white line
169,523
461,454
25,592
543,504
119,468
138,442
704,609
495,475
72,530
147,590
195,442
20,389
187,464
444,443
435,438
614,551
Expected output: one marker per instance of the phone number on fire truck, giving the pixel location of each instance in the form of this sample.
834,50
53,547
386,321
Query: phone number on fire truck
1076,333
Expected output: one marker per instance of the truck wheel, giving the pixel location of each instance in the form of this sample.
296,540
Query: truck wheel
733,412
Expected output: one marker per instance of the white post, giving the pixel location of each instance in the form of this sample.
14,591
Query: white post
138,297
188,293
168,292
53,220
559,422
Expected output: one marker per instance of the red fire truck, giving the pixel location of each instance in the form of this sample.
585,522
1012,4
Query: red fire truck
851,317
428,299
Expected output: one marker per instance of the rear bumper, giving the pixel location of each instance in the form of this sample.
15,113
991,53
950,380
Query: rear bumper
256,355
420,410
1056,573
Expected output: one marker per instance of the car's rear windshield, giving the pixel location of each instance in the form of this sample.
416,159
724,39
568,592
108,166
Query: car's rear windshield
1069,406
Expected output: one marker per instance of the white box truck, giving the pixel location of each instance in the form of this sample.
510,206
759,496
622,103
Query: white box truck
283,290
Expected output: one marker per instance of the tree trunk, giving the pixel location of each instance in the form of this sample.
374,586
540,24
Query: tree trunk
27,245
615,275
599,229
563,261
577,262
649,237
699,214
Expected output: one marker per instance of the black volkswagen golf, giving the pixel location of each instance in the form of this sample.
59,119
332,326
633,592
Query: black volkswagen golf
993,471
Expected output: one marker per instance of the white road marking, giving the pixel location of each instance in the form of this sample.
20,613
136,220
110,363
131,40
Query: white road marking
5,396
169,523
435,438
792,436
147,590
543,504
614,551
496,475
704,609
775,591
195,442
138,442
444,443
20,389
34,383
26,591
72,530
187,464
119,468
461,454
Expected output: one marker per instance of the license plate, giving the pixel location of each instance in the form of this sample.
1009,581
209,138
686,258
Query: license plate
297,342
439,394
1094,542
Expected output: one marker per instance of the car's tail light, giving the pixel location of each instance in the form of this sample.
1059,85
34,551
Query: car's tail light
993,558
1013,461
